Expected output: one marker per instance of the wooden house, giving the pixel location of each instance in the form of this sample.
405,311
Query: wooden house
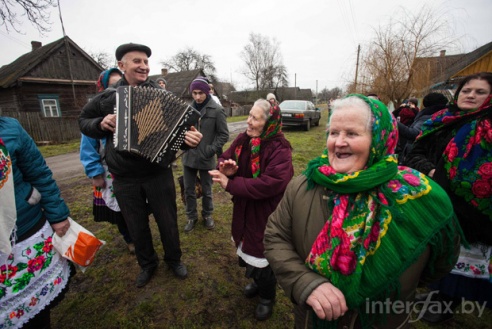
444,72
46,88
179,82
281,93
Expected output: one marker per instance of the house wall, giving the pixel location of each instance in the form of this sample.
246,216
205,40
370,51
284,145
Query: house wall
484,64
8,100
28,97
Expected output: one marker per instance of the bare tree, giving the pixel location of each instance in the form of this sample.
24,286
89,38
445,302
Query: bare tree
263,62
102,58
190,59
389,64
326,94
36,12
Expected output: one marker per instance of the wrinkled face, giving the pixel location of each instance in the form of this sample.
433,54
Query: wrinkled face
113,78
199,96
256,121
349,140
272,101
473,94
162,84
135,66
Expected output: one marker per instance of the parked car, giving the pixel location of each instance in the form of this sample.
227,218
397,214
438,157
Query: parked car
299,113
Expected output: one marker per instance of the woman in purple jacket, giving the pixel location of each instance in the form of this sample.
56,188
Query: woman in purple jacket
255,170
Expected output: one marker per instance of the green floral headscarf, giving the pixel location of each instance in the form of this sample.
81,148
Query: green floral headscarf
381,218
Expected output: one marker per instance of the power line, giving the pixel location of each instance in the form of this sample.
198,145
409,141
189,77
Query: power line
15,40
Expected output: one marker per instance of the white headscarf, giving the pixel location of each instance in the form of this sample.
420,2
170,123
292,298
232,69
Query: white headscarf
8,214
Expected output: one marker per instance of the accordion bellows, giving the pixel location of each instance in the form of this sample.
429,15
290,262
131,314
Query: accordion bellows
152,123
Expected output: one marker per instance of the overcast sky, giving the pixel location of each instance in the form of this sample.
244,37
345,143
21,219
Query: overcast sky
318,38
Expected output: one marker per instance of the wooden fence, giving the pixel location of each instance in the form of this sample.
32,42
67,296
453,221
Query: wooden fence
47,130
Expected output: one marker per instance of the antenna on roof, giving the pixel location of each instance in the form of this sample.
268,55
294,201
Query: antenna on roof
67,48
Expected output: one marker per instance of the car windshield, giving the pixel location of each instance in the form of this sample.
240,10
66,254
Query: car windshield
292,105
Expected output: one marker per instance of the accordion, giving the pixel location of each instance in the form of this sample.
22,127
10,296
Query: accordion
152,123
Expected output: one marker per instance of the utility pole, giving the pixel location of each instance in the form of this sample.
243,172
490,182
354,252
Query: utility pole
316,93
356,69
295,85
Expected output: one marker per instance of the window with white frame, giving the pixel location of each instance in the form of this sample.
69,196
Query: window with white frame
50,105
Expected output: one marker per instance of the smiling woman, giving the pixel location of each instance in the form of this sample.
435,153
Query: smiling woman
349,135
346,234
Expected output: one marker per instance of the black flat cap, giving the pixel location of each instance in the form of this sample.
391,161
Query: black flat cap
127,47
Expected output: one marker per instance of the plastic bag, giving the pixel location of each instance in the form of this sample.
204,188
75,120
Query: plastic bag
78,245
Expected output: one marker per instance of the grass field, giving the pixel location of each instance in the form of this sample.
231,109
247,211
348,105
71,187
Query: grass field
105,296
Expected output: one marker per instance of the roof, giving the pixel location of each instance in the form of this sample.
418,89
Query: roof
443,70
11,73
179,82
466,60
282,93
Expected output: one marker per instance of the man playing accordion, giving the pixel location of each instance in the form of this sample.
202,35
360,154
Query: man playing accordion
138,182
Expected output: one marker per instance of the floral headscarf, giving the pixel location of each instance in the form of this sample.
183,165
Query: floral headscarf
273,126
103,80
8,213
468,155
353,248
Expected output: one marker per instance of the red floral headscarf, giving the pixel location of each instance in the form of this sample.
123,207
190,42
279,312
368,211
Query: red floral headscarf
273,126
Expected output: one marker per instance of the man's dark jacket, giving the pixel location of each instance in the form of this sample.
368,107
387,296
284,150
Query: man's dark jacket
120,163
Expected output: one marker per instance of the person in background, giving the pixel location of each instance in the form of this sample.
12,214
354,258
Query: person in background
272,100
255,170
433,103
373,96
213,126
162,83
407,111
346,236
33,275
213,94
138,183
105,208
455,150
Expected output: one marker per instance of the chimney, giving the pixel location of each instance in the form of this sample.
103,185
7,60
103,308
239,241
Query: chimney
163,72
36,45
443,53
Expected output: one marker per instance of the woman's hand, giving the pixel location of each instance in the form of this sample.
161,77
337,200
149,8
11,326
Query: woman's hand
98,181
228,167
328,302
219,177
61,228
193,137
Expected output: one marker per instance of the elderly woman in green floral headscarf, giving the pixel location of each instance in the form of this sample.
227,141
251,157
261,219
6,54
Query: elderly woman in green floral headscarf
356,232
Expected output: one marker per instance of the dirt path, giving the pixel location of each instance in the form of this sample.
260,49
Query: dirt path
68,166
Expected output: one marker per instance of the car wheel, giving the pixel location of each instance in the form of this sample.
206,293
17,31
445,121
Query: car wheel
317,123
308,125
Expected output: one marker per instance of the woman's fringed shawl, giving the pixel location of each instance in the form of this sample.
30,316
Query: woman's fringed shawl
8,212
382,219
468,155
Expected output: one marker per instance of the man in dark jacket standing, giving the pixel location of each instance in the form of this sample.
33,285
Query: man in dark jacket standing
138,183
213,126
